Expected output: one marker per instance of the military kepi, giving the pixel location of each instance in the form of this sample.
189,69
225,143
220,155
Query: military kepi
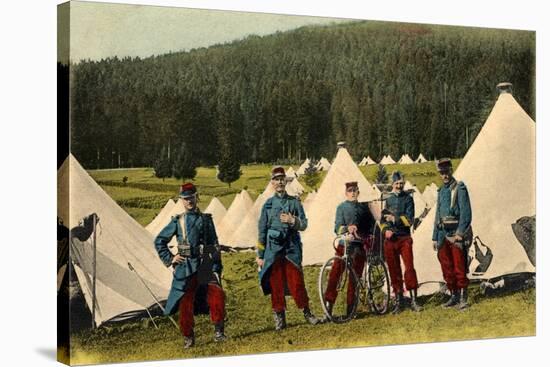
350,185
187,190
444,164
396,176
277,171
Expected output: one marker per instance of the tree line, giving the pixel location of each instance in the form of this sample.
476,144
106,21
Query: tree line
384,88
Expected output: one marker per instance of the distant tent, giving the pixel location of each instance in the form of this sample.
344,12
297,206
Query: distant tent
238,210
161,219
419,203
370,161
302,169
405,159
290,172
323,165
499,171
317,239
363,162
246,233
294,187
217,210
420,159
387,160
120,241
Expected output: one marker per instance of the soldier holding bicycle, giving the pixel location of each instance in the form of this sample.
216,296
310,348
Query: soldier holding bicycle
397,219
355,220
197,264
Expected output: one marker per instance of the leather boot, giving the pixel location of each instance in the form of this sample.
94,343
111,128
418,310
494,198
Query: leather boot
280,320
453,301
219,335
463,302
188,341
414,304
398,307
310,317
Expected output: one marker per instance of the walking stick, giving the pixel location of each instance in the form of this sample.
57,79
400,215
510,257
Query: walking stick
152,295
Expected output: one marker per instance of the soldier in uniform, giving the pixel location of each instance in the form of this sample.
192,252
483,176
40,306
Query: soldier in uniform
279,250
397,219
197,267
452,234
355,220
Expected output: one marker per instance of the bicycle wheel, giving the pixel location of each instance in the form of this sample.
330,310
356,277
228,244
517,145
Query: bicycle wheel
335,277
378,285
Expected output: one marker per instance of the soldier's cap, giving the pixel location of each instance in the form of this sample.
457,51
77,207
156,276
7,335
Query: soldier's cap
351,184
277,171
397,176
444,164
187,190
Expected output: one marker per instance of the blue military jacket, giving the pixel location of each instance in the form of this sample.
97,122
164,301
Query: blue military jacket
353,213
200,231
402,207
279,239
460,210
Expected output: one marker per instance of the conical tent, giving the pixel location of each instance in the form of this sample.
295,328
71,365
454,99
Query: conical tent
120,241
317,238
499,172
247,232
387,160
217,210
323,165
419,203
430,195
160,219
236,213
370,161
294,188
302,169
309,199
420,159
405,159
363,162
290,172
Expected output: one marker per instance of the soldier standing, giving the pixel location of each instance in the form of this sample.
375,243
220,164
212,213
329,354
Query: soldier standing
279,250
452,234
197,265
355,220
397,219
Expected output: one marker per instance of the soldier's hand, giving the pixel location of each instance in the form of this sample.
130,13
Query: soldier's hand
286,218
388,234
260,262
178,259
352,229
390,218
434,244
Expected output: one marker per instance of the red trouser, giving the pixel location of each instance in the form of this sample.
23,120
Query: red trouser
358,264
392,250
285,272
453,266
216,302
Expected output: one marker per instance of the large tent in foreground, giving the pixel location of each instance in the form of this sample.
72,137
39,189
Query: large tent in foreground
499,171
121,242
317,238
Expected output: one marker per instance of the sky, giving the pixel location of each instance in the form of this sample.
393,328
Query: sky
100,30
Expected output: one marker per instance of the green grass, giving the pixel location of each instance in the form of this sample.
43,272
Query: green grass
143,195
250,325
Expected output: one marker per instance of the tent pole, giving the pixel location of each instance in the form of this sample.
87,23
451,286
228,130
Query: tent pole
94,270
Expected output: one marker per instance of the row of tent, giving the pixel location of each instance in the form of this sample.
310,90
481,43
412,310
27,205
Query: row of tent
498,169
387,159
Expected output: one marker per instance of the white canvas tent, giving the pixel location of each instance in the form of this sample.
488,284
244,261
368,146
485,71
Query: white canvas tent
294,187
290,172
317,238
363,162
160,219
405,159
387,160
420,159
370,161
499,171
119,240
430,195
323,165
236,213
419,203
309,199
217,210
302,169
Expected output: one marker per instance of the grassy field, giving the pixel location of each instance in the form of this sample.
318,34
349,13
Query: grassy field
143,195
250,326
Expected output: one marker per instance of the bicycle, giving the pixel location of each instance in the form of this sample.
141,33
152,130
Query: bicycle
338,274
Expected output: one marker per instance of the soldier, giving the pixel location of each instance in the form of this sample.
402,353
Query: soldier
397,219
279,250
197,266
452,234
354,219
